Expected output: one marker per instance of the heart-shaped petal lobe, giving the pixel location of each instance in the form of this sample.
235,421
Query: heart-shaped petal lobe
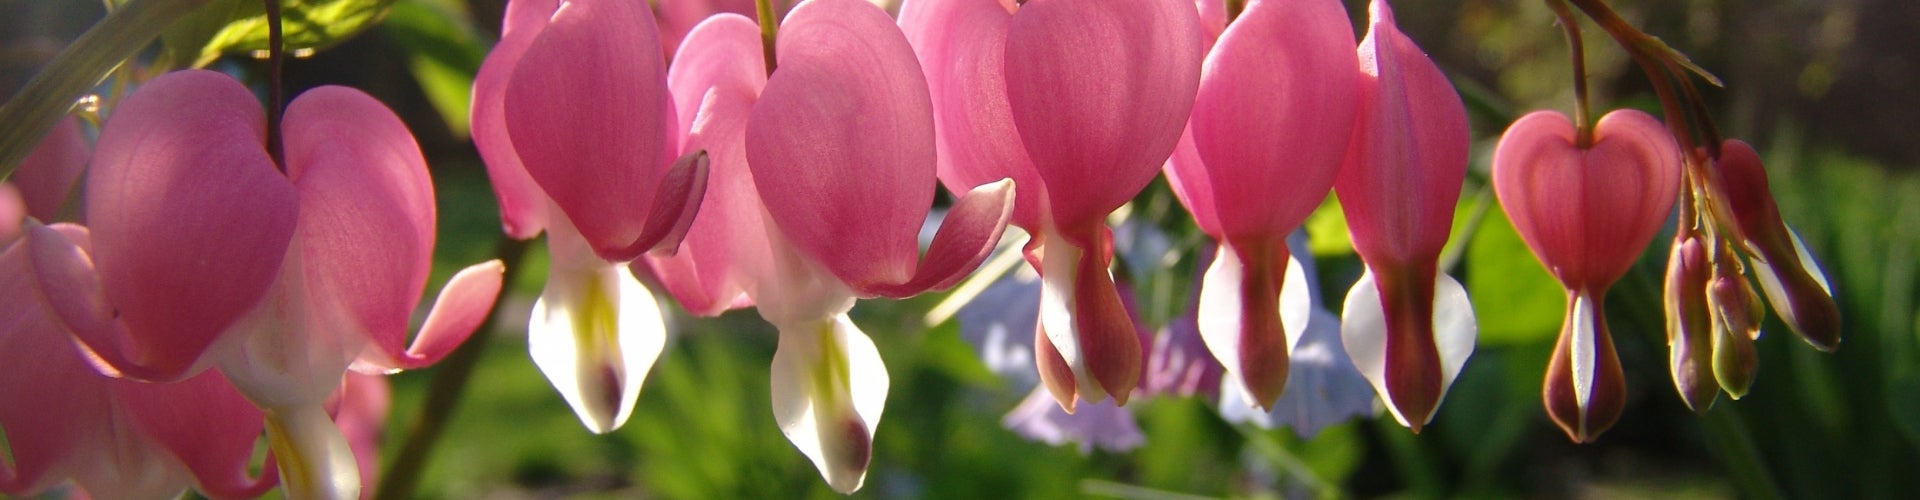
1408,154
523,205
1099,90
1587,213
366,213
1272,117
841,142
716,78
190,217
962,47
589,115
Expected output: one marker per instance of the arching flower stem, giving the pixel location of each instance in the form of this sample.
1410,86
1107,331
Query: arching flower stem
1582,116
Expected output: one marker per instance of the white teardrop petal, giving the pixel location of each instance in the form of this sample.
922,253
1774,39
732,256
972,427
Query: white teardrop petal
1219,311
1296,302
1454,329
595,332
1363,329
1581,326
827,376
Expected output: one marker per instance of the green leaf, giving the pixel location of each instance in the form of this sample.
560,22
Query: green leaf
1327,230
45,99
444,54
1514,299
240,26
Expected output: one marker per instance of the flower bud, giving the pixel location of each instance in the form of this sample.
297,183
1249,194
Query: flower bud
1793,282
1690,323
1736,323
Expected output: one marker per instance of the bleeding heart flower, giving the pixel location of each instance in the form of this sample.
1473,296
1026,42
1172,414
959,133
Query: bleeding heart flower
1690,322
1407,326
820,185
1587,211
1266,139
1786,270
114,438
1079,102
571,113
341,242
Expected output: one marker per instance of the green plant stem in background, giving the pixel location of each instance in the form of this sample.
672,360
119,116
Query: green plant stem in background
449,383
1582,117
30,114
769,30
276,61
1728,438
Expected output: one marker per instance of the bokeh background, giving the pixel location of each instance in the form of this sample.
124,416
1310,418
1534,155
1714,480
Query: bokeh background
1823,88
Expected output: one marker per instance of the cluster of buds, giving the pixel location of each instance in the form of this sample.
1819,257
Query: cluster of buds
1588,199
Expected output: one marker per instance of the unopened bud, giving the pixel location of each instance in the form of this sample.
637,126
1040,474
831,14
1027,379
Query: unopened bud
1793,283
1690,324
1736,323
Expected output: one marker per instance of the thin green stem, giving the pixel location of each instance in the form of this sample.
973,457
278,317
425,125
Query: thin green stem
1733,444
1582,114
276,61
1278,454
30,114
769,31
450,380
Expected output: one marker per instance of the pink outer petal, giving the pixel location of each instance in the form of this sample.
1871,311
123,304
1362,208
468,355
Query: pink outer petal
1099,90
52,399
47,174
65,420
588,111
962,46
207,425
678,19
715,79
965,238
12,213
841,142
463,305
1273,114
366,210
190,218
523,206
1188,178
1408,153
1587,214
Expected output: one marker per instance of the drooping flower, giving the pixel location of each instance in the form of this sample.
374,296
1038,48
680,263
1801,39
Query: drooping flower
1079,102
1690,333
1586,211
1009,305
1793,282
1266,139
1407,326
281,280
572,115
114,438
823,207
